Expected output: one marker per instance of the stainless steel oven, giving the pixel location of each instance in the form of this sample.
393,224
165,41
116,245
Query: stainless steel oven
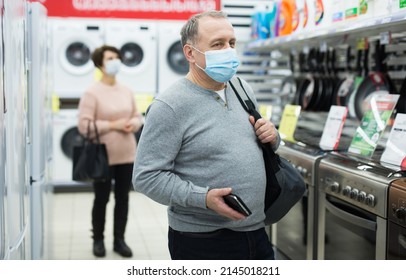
352,213
396,242
294,235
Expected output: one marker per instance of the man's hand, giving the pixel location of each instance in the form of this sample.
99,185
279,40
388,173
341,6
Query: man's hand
265,130
215,201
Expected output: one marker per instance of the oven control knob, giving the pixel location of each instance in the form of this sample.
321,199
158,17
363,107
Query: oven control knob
304,172
354,193
347,191
335,187
362,196
370,200
401,213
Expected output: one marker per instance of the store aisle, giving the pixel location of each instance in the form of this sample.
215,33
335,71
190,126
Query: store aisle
70,234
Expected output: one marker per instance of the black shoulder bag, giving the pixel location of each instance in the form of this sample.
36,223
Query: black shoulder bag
285,186
90,160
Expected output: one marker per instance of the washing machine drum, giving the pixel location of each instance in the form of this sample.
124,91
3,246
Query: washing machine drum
177,60
131,54
78,54
70,139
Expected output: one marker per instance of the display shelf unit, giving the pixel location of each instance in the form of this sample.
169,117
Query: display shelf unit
337,33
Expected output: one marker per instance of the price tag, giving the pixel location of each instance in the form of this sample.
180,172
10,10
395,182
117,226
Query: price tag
288,122
385,38
379,105
142,101
395,149
323,47
362,44
265,111
333,127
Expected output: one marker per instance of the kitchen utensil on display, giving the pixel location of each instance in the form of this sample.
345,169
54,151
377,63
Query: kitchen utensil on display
362,72
303,69
289,85
311,87
328,80
376,81
345,86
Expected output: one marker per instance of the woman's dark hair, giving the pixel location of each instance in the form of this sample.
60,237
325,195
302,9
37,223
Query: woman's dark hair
98,54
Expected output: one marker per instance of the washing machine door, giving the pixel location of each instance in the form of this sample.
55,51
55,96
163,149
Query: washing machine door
75,57
131,54
70,139
176,59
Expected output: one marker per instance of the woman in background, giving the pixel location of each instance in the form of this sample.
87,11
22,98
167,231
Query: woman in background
112,107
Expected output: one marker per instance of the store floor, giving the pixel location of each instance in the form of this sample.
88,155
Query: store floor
70,223
146,231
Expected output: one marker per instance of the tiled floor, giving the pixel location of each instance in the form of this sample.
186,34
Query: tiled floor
70,223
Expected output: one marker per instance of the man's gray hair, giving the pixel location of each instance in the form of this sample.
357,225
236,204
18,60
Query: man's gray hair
188,34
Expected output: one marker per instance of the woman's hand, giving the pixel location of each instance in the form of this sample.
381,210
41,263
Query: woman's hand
119,124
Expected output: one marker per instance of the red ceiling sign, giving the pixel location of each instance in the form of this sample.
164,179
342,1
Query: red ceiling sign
140,9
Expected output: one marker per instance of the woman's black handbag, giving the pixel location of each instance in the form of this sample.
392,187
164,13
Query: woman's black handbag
90,160
285,186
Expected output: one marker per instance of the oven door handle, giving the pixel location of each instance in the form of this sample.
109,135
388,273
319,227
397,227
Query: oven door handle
353,219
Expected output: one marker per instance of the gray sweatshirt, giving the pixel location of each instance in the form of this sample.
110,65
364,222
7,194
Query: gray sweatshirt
193,141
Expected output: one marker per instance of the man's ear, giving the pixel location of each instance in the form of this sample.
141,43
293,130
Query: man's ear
188,52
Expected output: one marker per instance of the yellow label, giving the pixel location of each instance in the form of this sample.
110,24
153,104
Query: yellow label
55,103
97,74
265,111
142,101
288,122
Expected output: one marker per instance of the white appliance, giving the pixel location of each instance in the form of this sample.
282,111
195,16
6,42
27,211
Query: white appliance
172,64
2,151
137,43
74,40
65,137
17,179
39,110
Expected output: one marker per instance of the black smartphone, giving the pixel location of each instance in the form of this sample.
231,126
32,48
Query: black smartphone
235,202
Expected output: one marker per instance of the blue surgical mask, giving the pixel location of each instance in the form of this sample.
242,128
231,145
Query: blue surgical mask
113,67
221,65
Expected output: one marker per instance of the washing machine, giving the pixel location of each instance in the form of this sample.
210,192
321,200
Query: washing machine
65,137
137,42
74,40
172,64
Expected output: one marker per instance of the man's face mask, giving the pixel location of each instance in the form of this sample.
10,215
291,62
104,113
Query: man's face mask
113,67
221,65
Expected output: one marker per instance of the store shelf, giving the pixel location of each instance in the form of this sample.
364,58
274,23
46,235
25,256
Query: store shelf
339,32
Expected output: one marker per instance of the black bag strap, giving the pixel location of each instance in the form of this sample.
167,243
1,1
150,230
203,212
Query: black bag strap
249,106
271,159
96,132
88,132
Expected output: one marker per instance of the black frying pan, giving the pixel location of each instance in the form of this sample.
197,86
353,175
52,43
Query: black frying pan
289,86
344,87
374,82
310,87
329,81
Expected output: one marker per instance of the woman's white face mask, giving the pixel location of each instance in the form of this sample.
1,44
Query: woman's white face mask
113,67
